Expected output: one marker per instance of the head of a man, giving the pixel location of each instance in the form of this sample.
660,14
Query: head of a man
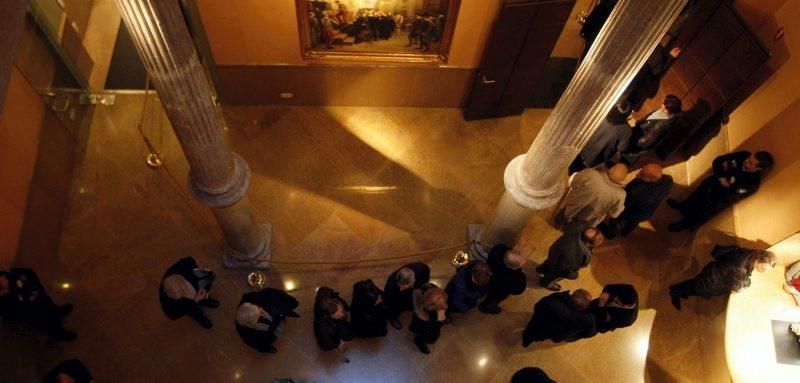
758,161
514,260
580,299
617,173
619,113
481,273
650,173
592,237
405,278
763,260
671,104
626,296
332,308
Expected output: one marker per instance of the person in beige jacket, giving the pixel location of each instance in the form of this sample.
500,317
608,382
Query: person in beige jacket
594,194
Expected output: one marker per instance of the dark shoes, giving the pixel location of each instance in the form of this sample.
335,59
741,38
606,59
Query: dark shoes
422,347
674,204
270,349
676,299
526,342
65,310
490,309
395,322
676,227
65,335
210,303
205,322
553,287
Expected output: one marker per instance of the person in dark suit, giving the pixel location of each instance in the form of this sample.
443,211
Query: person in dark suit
531,375
728,272
184,289
643,195
735,176
69,371
261,316
647,81
331,320
468,285
568,254
23,299
561,317
611,137
617,307
649,132
507,277
399,289
368,314
430,313
594,23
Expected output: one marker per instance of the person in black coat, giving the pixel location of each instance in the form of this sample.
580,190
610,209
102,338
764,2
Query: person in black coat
728,272
71,370
594,23
331,324
531,375
368,314
568,254
468,285
430,313
561,317
261,316
617,307
507,277
611,137
643,195
23,299
184,289
399,289
735,177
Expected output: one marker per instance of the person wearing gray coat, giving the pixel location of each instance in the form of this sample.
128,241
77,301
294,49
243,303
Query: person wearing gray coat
568,254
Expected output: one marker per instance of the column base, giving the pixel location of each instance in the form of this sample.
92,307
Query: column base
476,250
259,259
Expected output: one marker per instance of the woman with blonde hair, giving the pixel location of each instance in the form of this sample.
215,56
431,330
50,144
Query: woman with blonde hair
430,308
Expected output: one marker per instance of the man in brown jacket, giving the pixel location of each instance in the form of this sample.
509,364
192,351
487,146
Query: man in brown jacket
594,194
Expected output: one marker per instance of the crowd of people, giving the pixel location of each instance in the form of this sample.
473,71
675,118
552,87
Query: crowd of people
598,205
369,26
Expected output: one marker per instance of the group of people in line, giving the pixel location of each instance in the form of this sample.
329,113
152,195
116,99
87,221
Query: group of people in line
373,25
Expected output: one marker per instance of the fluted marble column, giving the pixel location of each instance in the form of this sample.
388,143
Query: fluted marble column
535,181
218,177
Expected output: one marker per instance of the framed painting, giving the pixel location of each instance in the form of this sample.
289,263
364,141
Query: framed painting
406,31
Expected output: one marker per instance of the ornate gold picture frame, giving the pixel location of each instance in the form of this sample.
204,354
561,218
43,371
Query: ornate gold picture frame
403,31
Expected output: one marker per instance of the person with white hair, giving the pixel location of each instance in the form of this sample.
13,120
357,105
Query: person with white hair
184,289
261,316
507,277
399,287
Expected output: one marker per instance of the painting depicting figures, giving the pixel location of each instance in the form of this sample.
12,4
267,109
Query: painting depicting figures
378,28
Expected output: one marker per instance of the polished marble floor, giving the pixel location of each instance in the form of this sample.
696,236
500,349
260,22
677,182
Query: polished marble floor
336,184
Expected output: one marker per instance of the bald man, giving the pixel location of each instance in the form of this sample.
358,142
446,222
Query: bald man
595,194
568,254
507,277
643,196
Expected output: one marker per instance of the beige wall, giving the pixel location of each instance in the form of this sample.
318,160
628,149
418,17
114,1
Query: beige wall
259,32
767,120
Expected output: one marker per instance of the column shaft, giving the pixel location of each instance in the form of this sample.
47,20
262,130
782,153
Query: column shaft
218,177
535,181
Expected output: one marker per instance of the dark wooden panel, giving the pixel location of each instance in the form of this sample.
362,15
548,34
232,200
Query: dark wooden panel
12,18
